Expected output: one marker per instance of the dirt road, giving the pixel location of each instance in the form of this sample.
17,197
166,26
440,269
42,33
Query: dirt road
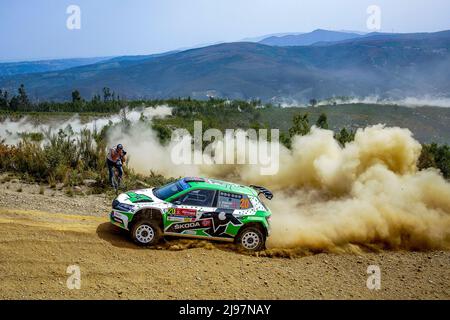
42,234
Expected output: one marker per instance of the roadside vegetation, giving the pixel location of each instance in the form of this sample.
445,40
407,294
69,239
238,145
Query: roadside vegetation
77,159
70,159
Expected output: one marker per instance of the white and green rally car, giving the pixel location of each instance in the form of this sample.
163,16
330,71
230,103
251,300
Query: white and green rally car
195,208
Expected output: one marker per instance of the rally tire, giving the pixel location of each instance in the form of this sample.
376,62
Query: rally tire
146,232
251,239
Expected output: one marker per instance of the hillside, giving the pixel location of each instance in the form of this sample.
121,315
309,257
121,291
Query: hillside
384,65
14,68
428,124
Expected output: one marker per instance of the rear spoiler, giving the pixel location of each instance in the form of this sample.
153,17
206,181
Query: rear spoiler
264,191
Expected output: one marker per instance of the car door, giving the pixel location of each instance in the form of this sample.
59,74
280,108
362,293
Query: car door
225,220
187,214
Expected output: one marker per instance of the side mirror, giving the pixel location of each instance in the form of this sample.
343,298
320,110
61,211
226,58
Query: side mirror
177,202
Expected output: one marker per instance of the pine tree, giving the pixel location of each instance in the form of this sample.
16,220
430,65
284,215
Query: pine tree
322,122
3,100
301,125
76,96
23,98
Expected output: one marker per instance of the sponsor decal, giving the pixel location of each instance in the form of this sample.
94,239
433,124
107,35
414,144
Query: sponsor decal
179,219
185,212
220,219
206,223
182,212
173,218
191,225
213,223
122,206
188,225
138,197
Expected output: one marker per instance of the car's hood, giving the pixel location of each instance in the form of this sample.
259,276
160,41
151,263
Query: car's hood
141,196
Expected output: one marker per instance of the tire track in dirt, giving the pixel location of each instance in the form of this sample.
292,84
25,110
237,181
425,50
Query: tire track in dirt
54,221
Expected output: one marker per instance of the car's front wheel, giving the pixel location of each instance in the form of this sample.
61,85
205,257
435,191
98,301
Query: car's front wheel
251,239
146,232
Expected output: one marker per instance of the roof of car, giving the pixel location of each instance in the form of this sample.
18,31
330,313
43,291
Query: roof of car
220,185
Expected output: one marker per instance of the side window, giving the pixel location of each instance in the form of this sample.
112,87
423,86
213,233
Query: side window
229,200
201,198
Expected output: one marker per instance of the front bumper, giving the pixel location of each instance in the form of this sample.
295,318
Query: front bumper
119,219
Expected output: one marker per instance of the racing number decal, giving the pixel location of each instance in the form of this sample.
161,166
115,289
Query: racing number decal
245,203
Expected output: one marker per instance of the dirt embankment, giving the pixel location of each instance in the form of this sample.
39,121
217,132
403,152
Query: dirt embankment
42,234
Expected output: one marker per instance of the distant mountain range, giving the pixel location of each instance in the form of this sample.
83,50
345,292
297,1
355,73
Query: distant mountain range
13,68
327,64
310,38
260,38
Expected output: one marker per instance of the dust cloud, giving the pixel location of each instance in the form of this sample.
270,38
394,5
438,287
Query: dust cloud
10,129
146,153
368,194
412,102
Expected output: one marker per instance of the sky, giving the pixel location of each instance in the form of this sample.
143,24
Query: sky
32,30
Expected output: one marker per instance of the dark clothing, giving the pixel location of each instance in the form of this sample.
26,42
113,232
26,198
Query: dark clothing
111,165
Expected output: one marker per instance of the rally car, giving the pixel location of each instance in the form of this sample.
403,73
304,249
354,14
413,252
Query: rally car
195,208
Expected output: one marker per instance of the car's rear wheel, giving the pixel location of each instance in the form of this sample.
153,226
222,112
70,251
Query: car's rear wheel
146,232
251,239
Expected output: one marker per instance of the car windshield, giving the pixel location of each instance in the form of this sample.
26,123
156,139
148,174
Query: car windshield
170,189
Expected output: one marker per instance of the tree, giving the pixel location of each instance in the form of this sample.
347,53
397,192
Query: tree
23,98
344,136
442,158
301,125
14,104
313,102
76,96
322,122
3,99
163,132
106,94
96,99
435,156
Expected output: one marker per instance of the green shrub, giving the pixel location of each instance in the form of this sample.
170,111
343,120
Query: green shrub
436,156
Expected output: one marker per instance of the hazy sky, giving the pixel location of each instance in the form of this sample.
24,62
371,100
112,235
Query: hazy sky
37,29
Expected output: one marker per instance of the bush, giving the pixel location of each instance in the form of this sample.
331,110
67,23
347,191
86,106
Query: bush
345,136
436,156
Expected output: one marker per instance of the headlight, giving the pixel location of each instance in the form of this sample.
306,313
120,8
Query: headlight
122,206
